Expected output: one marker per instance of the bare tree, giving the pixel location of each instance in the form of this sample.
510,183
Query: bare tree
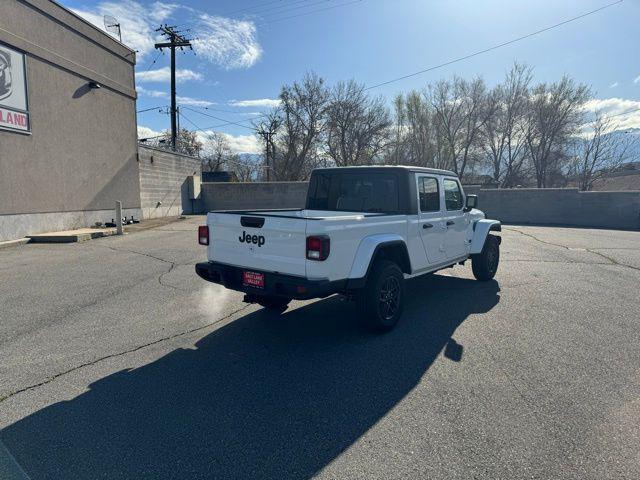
461,111
295,147
356,125
399,110
215,152
554,115
600,152
186,142
503,140
419,116
245,170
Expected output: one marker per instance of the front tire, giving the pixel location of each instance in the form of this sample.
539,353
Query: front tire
381,301
274,304
485,263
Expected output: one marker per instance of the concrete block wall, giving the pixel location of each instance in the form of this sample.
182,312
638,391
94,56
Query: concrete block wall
163,179
553,206
238,196
562,206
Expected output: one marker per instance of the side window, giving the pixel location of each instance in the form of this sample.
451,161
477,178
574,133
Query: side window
452,195
429,194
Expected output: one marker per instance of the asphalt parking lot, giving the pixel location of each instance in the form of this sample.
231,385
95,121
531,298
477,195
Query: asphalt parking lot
116,361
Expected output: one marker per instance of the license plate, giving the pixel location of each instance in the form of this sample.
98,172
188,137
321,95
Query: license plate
253,279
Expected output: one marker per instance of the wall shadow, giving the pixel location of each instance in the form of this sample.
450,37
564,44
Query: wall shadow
262,397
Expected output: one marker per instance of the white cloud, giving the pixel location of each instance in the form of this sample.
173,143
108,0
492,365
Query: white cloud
164,75
226,42
618,107
244,143
151,93
160,11
260,102
137,22
237,143
613,85
146,132
637,79
223,41
194,102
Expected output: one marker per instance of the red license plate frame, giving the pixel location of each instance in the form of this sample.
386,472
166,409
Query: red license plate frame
253,279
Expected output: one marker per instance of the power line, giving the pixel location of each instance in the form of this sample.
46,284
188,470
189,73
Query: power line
152,108
291,6
249,8
311,12
226,124
495,47
230,111
198,129
229,122
267,12
283,8
607,117
260,10
624,113
188,120
154,61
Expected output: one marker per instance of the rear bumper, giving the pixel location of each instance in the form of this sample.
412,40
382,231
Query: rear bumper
275,284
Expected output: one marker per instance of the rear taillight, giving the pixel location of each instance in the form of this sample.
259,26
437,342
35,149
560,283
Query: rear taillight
203,235
318,247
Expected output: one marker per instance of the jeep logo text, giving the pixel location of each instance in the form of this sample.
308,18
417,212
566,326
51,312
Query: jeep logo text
257,239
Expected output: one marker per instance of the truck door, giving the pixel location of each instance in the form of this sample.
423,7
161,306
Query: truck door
455,219
432,228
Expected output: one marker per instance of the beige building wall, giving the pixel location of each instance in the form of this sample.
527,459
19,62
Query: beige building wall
81,154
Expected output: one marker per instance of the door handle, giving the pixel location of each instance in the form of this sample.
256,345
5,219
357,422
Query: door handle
450,222
427,225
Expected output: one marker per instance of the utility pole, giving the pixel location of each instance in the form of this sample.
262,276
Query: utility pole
177,119
175,40
267,141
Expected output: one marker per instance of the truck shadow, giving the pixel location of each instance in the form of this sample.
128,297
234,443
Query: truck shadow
261,397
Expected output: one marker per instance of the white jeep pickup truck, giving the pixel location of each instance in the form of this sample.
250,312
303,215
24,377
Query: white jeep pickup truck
364,230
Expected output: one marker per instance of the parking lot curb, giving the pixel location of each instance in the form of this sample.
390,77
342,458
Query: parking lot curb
71,237
14,243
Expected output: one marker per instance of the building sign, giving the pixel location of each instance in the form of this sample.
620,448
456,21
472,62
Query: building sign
14,108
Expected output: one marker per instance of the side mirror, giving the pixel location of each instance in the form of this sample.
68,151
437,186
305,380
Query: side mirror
472,202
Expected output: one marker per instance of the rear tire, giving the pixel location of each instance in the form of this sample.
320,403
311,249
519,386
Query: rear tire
274,304
381,301
485,263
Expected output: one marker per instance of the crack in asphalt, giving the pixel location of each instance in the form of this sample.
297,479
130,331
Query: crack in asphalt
171,263
612,261
119,354
566,262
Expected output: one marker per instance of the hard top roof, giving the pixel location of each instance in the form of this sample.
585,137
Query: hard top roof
413,168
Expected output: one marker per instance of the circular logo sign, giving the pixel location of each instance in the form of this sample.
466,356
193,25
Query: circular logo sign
5,74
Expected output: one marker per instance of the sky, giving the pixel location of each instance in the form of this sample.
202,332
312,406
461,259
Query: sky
245,50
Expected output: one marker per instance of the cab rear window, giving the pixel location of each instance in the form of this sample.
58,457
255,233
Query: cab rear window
354,192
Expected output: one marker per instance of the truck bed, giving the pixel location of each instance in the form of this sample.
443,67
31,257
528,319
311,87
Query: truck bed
300,213
274,240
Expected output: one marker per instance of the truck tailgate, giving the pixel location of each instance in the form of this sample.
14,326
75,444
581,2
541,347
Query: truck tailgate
269,243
